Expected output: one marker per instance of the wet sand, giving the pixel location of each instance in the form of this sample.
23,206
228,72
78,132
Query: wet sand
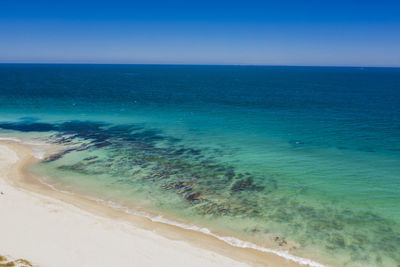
52,228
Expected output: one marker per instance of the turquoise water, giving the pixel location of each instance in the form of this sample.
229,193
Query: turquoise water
295,158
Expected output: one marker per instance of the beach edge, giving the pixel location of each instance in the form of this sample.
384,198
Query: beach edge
20,179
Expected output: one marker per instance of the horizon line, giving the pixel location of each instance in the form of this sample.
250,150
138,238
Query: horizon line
197,64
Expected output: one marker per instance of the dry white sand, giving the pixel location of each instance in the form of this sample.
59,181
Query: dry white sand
51,232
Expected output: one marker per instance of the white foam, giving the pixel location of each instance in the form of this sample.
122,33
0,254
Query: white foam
233,241
240,243
38,154
54,188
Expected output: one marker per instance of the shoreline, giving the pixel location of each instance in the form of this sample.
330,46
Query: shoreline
195,239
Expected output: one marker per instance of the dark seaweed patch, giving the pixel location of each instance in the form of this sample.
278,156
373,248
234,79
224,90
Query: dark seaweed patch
58,155
91,158
27,126
245,185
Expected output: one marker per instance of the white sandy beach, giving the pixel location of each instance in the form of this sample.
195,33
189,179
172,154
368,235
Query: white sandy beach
48,228
49,232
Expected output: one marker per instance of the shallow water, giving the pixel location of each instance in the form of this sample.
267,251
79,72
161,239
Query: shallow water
305,159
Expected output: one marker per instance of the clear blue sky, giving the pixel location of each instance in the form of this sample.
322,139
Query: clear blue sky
324,32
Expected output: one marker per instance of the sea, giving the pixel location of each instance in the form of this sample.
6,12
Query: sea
303,162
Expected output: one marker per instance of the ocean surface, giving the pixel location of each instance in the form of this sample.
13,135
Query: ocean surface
298,159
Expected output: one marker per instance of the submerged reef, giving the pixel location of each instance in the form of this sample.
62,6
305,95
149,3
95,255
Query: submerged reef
136,154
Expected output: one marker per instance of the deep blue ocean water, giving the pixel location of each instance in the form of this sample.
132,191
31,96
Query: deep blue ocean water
305,159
